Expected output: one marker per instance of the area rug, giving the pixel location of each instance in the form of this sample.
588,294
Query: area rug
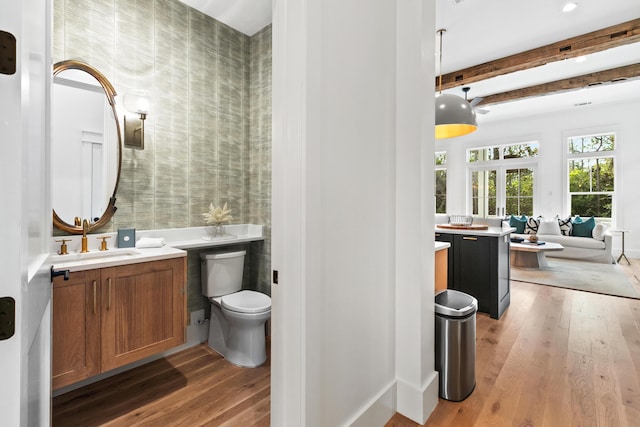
606,279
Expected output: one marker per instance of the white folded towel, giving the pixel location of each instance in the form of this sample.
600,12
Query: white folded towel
150,242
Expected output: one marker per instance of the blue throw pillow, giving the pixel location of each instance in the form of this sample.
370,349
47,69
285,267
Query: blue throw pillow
518,223
583,227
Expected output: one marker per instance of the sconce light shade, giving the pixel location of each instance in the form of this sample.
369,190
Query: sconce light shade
454,116
136,102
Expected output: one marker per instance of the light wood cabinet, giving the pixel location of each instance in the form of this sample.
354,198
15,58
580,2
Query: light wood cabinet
113,316
441,269
76,327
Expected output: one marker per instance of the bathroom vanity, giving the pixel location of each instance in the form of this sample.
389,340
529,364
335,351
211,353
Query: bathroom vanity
114,309
478,265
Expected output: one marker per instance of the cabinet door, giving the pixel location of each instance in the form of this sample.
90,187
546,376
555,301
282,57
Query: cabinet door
143,310
474,269
76,328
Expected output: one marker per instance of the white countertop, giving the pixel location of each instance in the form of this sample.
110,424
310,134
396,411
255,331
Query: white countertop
175,241
441,245
112,257
491,232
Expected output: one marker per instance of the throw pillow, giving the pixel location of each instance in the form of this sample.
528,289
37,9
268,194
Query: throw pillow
598,232
584,228
565,226
518,223
549,227
532,226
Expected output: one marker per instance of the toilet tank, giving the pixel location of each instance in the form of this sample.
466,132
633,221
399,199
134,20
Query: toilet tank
221,272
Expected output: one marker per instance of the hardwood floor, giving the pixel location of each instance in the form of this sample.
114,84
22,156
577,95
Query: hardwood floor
195,387
557,357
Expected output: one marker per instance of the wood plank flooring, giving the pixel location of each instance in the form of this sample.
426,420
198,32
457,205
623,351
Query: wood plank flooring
195,387
556,358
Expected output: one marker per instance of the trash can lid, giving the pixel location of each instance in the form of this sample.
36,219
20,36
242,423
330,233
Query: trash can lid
455,303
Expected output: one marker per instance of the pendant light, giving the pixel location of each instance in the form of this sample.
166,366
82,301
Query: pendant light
454,115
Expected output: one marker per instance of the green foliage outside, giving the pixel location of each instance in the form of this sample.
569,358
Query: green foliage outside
517,151
519,191
441,191
591,179
441,183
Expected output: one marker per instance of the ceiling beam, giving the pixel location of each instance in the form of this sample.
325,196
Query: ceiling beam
596,41
614,75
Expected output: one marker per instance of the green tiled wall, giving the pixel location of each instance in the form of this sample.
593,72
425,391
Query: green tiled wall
208,132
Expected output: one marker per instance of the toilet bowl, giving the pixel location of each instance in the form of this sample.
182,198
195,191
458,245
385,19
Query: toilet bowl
237,324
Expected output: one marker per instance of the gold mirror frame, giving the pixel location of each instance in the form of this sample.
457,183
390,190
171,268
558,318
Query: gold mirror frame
110,93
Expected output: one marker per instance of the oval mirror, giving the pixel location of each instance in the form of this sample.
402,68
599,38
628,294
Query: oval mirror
85,147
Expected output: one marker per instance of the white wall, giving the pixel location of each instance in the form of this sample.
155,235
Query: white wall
352,227
550,131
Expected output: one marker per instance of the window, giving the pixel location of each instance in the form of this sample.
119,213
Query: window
591,170
519,191
441,182
502,179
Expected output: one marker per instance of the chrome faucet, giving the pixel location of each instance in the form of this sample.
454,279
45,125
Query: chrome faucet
85,228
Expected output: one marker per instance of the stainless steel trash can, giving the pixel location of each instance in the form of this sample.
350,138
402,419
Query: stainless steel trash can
456,343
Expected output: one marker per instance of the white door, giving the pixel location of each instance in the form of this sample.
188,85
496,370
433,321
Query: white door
25,215
502,190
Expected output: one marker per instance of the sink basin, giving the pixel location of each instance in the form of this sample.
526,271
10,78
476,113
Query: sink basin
95,254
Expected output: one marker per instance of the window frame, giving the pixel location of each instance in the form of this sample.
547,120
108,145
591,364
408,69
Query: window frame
613,154
437,168
501,165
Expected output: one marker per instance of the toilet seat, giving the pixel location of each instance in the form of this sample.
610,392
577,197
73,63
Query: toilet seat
246,302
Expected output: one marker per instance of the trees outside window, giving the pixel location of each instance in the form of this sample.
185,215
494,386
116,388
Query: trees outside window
441,182
502,179
591,170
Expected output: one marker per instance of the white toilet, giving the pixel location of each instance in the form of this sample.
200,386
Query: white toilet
236,327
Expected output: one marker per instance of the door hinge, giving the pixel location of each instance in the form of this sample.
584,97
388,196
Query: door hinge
7,317
7,53
275,276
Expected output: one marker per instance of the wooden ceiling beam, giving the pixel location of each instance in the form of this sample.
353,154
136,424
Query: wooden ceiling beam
612,76
596,41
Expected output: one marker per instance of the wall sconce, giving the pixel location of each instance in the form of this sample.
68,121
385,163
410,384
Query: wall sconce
136,102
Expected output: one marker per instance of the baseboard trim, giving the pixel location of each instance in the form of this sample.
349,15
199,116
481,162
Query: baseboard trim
379,410
417,404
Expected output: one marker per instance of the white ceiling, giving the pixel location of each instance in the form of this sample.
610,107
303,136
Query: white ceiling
483,30
246,16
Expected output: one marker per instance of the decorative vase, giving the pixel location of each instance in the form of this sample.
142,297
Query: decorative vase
218,230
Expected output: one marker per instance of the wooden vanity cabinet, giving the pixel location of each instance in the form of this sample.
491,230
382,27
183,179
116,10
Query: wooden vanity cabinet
76,327
144,310
140,311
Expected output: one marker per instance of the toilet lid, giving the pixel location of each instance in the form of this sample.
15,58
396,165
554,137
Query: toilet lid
247,302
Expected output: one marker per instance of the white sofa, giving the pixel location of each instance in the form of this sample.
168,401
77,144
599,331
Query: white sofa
594,249
580,248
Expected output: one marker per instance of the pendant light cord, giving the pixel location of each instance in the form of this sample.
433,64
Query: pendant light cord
440,31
